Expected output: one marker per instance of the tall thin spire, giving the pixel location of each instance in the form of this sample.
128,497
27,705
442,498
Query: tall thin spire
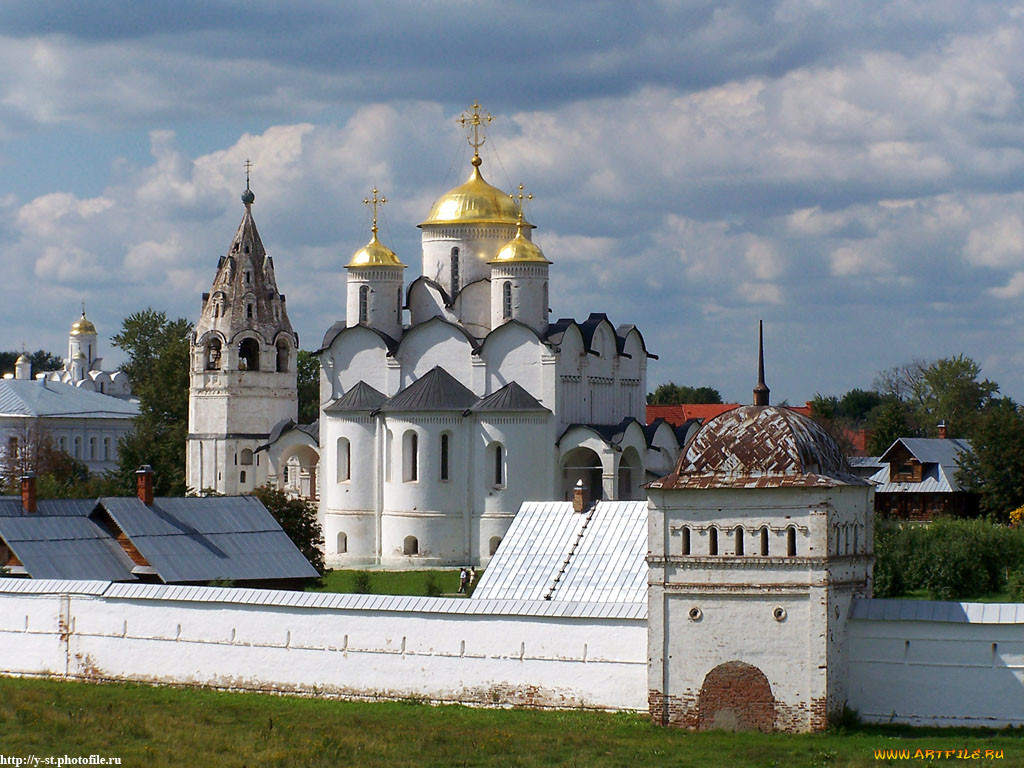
761,391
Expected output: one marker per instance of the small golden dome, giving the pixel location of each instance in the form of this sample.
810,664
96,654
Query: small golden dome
22,360
475,202
82,326
374,254
520,250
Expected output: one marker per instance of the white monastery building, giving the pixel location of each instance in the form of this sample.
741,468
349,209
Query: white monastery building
448,402
83,367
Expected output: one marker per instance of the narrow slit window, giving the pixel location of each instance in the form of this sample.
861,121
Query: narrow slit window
791,542
506,300
455,271
445,447
764,542
686,540
713,541
364,303
738,533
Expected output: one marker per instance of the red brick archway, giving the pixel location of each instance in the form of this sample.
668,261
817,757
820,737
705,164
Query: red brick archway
736,697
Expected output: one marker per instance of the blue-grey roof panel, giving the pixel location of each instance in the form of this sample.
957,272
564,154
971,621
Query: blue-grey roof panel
10,506
65,548
436,390
38,397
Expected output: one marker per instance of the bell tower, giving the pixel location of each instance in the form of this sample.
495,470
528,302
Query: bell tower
243,367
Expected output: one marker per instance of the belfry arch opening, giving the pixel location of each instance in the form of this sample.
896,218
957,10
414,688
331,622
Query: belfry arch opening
211,354
249,355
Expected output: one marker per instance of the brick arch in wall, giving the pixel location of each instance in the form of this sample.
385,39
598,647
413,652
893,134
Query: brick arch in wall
736,697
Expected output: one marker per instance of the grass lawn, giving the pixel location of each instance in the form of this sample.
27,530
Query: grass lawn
394,582
156,727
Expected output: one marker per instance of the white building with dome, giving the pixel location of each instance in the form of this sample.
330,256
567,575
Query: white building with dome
83,367
447,403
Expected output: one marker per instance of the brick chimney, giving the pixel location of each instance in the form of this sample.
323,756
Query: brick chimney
580,497
942,430
28,492
144,484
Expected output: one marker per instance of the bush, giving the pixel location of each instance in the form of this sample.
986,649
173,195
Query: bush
1015,585
361,583
433,589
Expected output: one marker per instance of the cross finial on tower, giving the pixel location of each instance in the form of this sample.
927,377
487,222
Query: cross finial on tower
83,307
374,201
248,166
247,196
761,391
475,122
521,197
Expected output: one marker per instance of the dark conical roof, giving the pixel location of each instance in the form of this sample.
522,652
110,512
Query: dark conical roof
436,390
361,397
511,397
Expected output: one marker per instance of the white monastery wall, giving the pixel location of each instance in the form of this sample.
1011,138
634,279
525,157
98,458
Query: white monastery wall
431,648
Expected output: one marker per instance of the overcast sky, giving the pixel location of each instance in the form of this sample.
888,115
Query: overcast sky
851,172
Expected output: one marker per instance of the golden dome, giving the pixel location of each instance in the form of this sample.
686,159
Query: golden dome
22,360
520,250
475,202
374,254
82,326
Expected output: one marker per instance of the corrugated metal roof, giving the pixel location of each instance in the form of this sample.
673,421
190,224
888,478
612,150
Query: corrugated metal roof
511,397
361,397
204,539
436,390
939,465
874,609
328,601
553,553
10,506
38,397
65,548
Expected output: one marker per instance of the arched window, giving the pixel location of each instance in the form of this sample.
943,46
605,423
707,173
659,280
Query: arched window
399,309
686,540
249,355
342,543
455,271
410,457
791,541
856,536
92,447
241,477
246,459
344,460
492,545
764,542
212,355
545,306
497,452
738,533
846,539
506,300
106,449
248,275
445,449
248,311
78,447
410,546
713,541
282,356
364,303
389,440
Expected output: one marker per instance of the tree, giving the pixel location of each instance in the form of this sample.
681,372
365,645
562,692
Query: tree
308,370
41,361
673,394
995,468
158,366
889,422
949,391
298,519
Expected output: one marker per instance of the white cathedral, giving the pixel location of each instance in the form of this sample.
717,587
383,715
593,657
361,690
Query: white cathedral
444,404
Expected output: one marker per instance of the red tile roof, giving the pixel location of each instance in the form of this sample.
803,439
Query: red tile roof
677,415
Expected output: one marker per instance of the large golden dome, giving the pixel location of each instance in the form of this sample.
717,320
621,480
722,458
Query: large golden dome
374,254
519,251
475,202
82,326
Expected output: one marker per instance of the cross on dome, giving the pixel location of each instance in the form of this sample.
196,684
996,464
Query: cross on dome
521,197
247,196
475,122
374,201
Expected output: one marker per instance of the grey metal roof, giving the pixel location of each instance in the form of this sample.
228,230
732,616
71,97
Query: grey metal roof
874,609
511,397
436,390
65,547
361,397
38,397
553,553
939,465
10,506
204,539
326,601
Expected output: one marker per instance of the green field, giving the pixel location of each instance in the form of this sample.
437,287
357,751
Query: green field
156,727
394,582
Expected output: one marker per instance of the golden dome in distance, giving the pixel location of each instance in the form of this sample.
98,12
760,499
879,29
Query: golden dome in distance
22,359
520,249
374,253
82,325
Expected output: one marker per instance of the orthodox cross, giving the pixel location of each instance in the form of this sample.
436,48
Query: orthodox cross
475,122
248,165
374,201
521,197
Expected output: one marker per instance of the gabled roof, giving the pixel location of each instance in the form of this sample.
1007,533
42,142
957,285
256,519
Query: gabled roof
938,458
65,547
190,540
10,506
361,397
511,397
931,450
436,390
51,399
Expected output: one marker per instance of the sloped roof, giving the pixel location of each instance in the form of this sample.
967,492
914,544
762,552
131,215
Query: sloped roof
10,506
65,547
190,540
511,397
436,390
678,415
361,397
553,553
938,458
51,399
